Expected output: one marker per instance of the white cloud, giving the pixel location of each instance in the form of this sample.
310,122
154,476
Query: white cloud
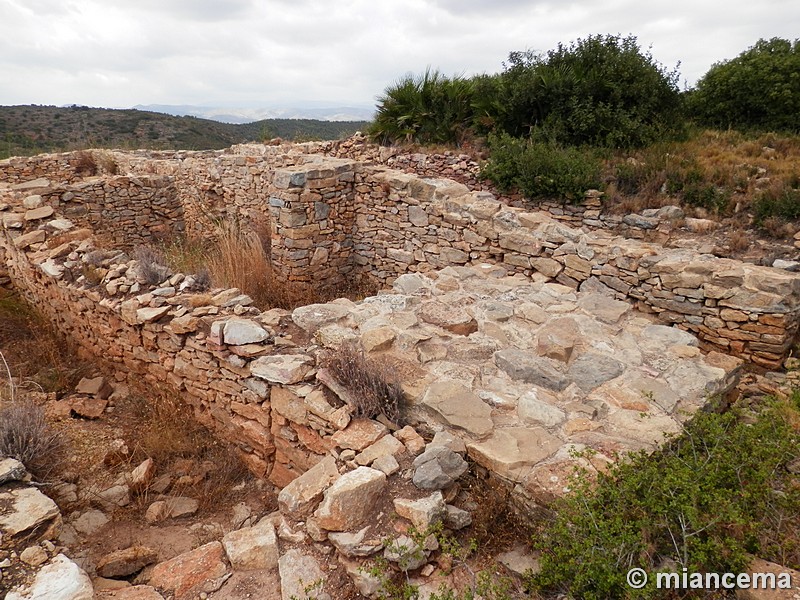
121,53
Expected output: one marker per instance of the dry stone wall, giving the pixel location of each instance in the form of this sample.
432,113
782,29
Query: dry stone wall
498,316
411,224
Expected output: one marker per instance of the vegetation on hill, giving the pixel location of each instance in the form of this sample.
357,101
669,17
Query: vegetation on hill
603,113
759,89
26,130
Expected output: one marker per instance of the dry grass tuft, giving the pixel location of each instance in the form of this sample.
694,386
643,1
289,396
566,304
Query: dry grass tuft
739,240
26,436
496,523
374,390
153,267
37,355
163,427
85,163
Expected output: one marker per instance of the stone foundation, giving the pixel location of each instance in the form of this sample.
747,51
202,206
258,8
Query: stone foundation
504,326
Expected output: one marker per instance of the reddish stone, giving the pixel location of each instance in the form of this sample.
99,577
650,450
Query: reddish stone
187,572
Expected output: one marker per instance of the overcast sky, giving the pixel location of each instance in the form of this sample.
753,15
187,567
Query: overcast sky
119,53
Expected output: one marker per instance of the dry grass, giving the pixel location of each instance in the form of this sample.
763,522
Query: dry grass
37,355
739,240
163,427
496,523
26,436
715,171
374,389
84,163
238,257
152,264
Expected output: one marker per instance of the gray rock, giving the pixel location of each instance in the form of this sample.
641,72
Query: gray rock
351,499
408,554
312,317
512,451
367,585
301,577
590,370
448,440
527,367
538,407
422,513
354,544
285,368
386,464
27,510
125,562
456,405
90,522
114,497
438,468
238,332
641,222
457,518
252,548
11,470
519,561
787,265
302,495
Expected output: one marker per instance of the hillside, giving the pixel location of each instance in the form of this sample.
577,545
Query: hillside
26,130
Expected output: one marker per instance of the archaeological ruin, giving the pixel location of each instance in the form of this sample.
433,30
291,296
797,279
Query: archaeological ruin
526,334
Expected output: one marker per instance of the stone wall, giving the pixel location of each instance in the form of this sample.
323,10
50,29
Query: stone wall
521,369
328,219
407,224
484,325
123,211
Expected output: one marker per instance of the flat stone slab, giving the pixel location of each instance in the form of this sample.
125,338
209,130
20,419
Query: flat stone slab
526,370
457,406
27,510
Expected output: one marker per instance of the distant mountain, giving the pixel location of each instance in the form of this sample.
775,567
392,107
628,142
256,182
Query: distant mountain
26,130
248,115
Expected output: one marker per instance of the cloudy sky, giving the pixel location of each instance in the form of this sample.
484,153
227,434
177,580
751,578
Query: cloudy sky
120,53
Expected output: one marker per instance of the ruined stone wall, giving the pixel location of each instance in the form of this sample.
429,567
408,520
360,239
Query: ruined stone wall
329,218
243,381
123,211
407,224
58,168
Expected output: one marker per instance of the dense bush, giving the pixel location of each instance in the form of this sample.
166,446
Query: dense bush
602,90
780,202
429,109
759,89
720,490
542,169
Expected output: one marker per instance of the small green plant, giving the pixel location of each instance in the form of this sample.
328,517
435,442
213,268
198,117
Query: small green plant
373,388
782,202
711,496
397,584
542,170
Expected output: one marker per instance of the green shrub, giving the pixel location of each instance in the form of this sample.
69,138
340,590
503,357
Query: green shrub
542,170
602,90
782,202
715,493
759,89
